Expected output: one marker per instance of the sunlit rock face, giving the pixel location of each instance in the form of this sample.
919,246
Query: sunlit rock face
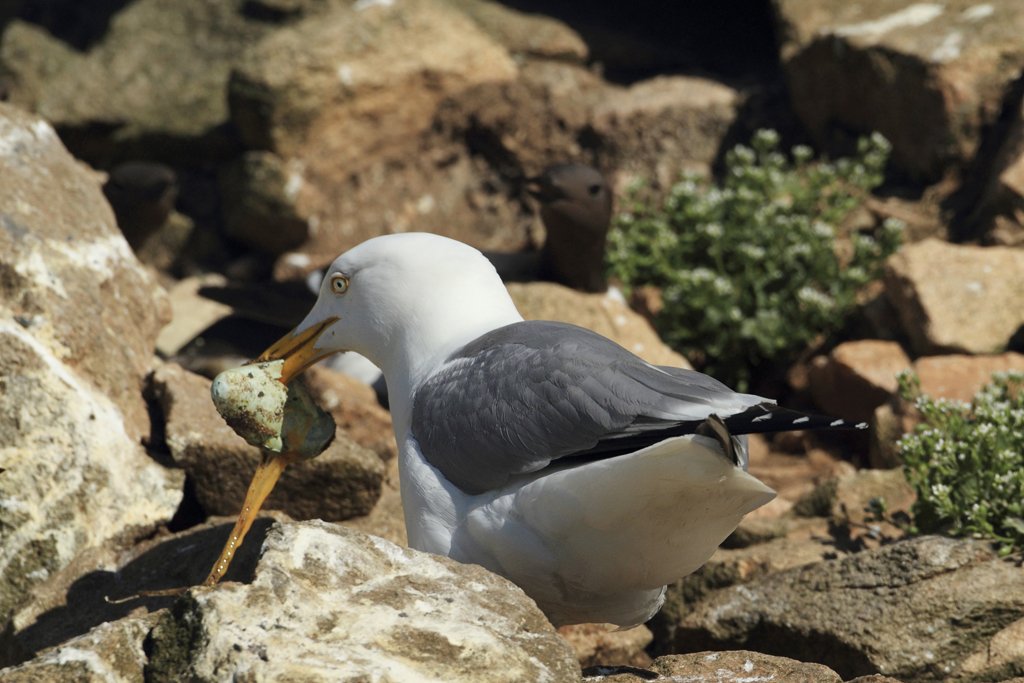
78,323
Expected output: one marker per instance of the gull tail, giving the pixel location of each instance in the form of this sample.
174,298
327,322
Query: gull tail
768,417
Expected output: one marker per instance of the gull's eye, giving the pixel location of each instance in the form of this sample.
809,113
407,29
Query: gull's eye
339,283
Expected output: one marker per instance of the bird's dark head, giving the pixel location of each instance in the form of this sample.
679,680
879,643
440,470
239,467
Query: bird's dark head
575,183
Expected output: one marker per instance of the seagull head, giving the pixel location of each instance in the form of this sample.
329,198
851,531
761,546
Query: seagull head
404,301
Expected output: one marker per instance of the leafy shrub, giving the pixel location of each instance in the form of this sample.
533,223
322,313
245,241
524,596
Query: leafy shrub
966,462
749,271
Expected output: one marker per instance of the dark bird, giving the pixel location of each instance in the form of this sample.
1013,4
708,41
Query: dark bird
576,207
142,194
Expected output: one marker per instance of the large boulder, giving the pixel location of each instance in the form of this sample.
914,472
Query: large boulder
957,298
930,76
916,609
857,377
344,481
78,323
329,604
345,100
154,84
658,128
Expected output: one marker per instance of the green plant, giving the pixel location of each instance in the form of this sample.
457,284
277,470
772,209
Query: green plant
966,461
750,271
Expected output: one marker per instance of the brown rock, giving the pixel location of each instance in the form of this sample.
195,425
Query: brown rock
888,424
342,482
346,100
603,645
957,298
598,312
525,35
741,665
960,377
856,377
930,77
855,498
660,127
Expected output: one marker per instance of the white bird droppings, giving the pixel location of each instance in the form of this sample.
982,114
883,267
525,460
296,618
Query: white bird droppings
978,12
917,14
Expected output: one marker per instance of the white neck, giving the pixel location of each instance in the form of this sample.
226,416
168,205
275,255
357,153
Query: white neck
427,337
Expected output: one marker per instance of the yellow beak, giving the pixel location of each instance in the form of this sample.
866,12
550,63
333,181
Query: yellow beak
298,351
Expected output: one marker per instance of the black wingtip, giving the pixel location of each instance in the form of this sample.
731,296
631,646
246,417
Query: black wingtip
768,417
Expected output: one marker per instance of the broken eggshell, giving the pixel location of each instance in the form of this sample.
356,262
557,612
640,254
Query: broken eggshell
274,416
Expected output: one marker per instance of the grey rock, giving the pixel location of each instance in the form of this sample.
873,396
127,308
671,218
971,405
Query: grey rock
344,481
957,298
262,213
78,322
156,79
914,609
929,76
110,653
329,604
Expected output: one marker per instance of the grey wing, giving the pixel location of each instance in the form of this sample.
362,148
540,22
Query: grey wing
533,392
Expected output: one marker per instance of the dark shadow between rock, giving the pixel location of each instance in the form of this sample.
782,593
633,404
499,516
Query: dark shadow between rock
172,562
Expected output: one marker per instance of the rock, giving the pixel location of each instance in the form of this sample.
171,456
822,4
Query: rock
737,666
603,645
957,377
858,499
522,126
792,475
930,77
155,80
914,609
110,653
74,601
1001,657
888,424
78,320
525,35
191,313
740,666
329,604
957,298
343,482
346,84
803,542
598,312
960,377
857,377
266,219
346,100
658,128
